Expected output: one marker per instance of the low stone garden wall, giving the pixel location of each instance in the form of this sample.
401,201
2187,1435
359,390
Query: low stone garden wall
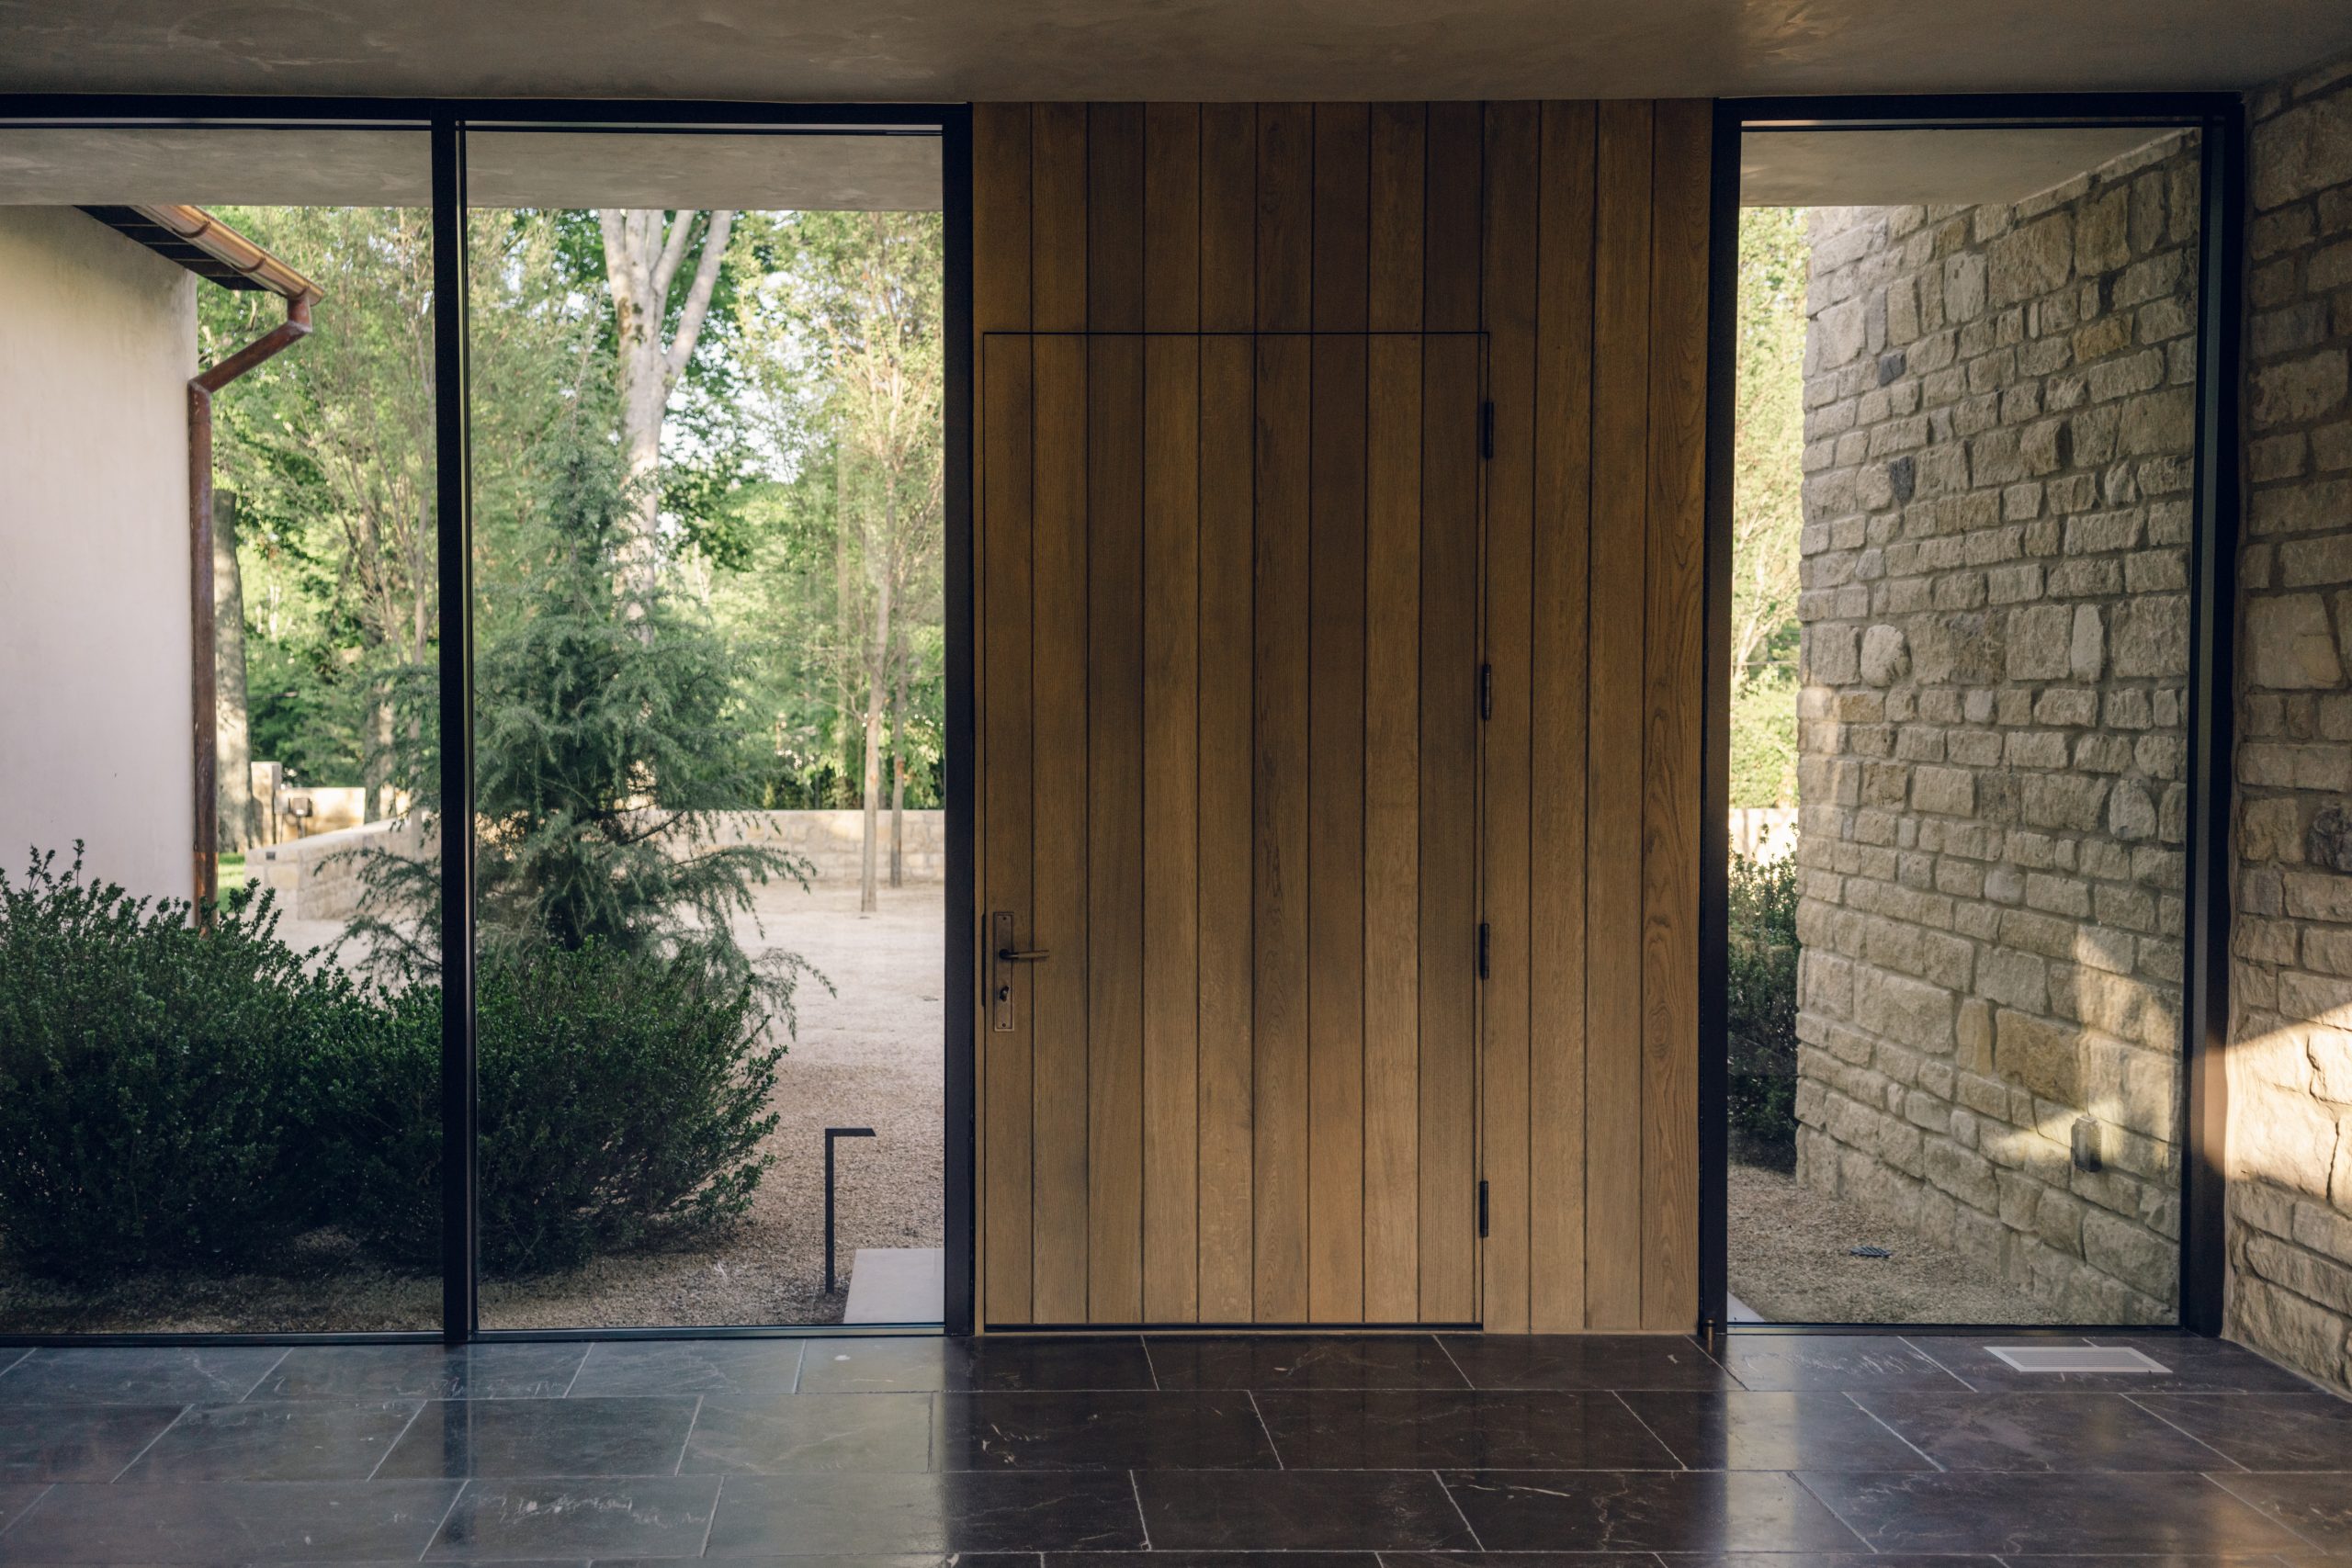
316,878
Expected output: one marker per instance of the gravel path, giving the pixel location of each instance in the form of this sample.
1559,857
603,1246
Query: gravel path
868,1054
1789,1261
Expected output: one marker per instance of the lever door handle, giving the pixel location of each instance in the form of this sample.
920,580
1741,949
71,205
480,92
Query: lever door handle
1021,954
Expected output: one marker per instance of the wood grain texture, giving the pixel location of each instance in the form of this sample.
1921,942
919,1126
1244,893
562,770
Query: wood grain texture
1507,309
1335,762
1058,227
1341,216
1172,1088
1614,1117
1286,218
1228,945
1279,677
1673,640
1058,679
1115,815
1235,583
1115,204
1557,761
1007,824
1229,218
1453,207
1398,177
1392,837
1001,236
1449,794
1000,218
1171,217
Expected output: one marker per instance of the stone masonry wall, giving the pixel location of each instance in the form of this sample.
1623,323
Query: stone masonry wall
2000,430
2291,1053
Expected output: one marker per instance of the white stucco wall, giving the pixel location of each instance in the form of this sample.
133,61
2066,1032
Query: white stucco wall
97,340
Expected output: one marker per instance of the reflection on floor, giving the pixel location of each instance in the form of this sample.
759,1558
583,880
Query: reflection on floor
1828,1449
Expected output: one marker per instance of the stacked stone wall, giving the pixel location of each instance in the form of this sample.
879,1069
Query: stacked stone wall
2289,1079
1999,464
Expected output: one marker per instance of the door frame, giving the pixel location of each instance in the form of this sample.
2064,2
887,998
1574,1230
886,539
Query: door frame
445,121
2219,119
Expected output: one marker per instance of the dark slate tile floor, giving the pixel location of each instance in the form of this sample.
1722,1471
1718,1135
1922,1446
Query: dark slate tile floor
1182,1451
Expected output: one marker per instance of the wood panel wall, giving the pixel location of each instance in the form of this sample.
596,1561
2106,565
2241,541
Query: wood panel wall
1574,236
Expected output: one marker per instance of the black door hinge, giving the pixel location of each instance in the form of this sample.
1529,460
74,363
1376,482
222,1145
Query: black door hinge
1485,691
1486,429
1482,1209
1486,944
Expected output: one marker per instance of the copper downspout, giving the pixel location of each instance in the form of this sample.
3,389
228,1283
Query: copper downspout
207,233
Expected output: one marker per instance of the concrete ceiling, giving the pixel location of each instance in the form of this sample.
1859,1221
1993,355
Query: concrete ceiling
228,166
952,50
1904,168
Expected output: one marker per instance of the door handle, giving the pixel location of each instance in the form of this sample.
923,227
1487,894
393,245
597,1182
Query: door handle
1006,952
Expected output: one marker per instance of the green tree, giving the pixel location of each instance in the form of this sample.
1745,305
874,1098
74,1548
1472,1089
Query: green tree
844,332
1767,511
608,748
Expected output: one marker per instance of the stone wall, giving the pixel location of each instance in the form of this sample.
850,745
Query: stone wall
2291,1053
1997,492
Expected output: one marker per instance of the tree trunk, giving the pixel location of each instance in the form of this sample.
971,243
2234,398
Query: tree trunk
844,614
231,724
898,769
643,254
878,688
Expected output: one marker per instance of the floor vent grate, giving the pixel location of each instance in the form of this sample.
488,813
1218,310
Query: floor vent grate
2075,1358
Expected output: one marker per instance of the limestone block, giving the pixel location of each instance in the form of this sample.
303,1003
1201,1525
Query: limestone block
2132,813
2283,1323
2282,1136
1913,1012
2037,1053
2040,640
2291,643
1968,1177
2325,1231
2063,801
2299,390
2316,1280
2087,653
2018,980
1885,656
1950,792
2149,637
2131,1253
2029,260
1831,655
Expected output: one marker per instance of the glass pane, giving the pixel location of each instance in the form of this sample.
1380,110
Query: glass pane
709,675
1966,395
219,1055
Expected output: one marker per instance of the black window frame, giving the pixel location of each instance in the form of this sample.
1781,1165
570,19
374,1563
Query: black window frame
447,121
2221,120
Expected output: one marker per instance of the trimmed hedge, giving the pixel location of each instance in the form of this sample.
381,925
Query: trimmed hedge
622,1100
184,1096
1762,1017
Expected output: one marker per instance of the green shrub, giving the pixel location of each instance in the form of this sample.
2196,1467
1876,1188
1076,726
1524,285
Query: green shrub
153,1102
623,1101
1761,1018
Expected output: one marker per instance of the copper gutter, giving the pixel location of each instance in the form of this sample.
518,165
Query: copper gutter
196,227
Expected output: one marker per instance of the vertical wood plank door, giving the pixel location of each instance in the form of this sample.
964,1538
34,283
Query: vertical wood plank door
1231,592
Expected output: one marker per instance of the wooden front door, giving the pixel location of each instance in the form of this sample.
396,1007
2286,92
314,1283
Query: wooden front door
1230,687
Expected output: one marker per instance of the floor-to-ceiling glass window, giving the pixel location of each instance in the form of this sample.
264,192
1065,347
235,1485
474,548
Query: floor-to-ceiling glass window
1960,652
708,517
219,1048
